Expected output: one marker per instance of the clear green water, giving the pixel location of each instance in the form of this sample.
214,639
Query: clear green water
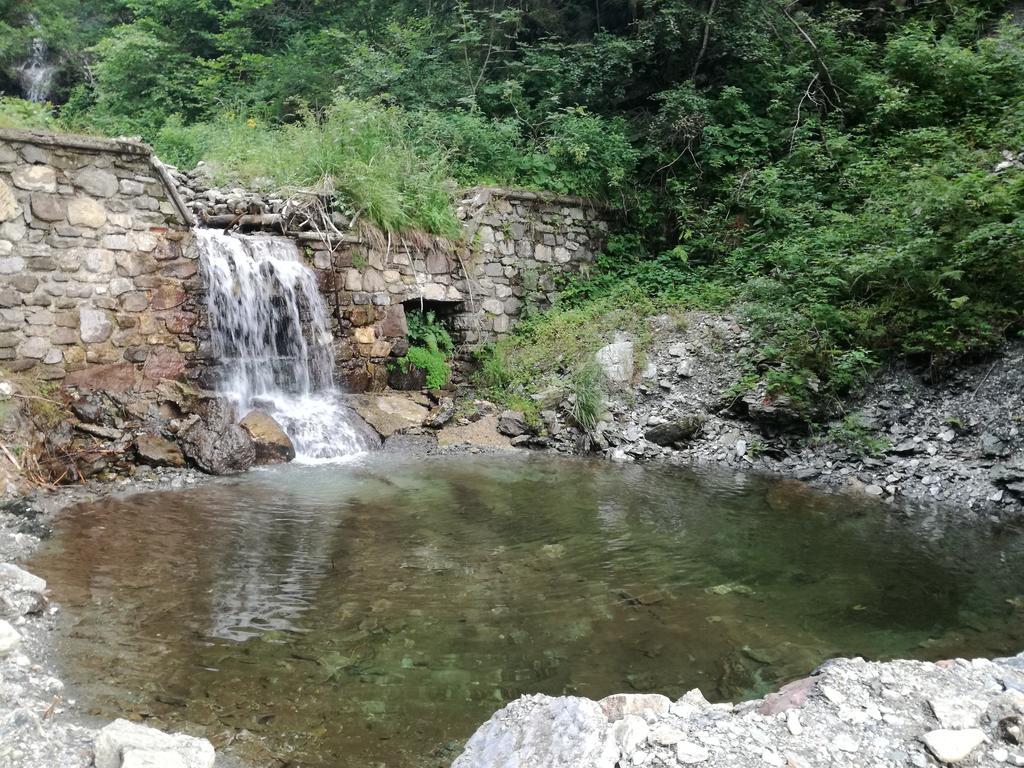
372,613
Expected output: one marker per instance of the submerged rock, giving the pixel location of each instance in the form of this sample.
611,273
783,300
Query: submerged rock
272,445
127,745
216,444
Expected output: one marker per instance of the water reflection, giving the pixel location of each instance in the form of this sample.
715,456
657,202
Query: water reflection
364,614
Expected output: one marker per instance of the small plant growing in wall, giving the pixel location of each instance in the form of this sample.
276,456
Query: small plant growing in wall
430,348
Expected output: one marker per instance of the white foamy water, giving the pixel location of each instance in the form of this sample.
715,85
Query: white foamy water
36,75
271,337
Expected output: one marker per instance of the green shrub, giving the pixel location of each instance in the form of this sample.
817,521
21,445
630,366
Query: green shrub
26,115
430,348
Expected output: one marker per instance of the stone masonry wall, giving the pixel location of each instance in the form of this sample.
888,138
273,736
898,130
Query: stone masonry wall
95,266
518,246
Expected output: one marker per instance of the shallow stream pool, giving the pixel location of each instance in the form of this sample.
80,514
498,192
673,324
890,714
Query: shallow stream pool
376,612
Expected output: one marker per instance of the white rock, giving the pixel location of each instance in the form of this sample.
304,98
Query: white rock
832,694
686,368
6,390
95,325
952,746
18,579
567,732
665,735
677,350
846,743
9,638
956,713
630,732
117,741
616,361
689,753
793,722
618,705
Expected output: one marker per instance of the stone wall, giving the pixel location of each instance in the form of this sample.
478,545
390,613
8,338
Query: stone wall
95,264
518,247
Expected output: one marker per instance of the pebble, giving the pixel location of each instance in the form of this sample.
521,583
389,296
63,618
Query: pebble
953,746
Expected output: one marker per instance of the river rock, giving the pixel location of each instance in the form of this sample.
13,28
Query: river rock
953,746
677,431
273,446
216,444
388,413
157,451
9,638
117,741
616,361
541,731
513,424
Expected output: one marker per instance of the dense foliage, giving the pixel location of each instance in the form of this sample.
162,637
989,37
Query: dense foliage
430,348
828,167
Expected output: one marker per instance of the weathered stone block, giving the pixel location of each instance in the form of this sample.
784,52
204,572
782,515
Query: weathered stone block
95,325
11,265
98,260
35,178
47,207
96,182
86,212
135,301
168,296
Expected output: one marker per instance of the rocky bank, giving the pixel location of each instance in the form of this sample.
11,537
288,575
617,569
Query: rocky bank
913,439
849,713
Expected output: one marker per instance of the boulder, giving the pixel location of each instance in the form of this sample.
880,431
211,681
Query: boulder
442,414
216,444
567,732
388,413
680,430
513,424
123,744
616,361
157,451
272,445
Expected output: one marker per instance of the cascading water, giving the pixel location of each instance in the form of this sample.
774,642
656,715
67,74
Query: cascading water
36,75
270,334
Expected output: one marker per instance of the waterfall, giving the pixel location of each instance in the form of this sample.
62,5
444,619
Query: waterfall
271,338
36,75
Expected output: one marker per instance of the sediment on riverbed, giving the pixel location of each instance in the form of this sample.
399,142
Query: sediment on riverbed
849,712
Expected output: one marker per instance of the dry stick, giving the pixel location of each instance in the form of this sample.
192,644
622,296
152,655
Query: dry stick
799,107
704,44
989,373
817,53
10,458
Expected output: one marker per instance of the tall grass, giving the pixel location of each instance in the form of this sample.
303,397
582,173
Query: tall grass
356,150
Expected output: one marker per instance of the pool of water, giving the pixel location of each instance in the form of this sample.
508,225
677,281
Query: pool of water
372,613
